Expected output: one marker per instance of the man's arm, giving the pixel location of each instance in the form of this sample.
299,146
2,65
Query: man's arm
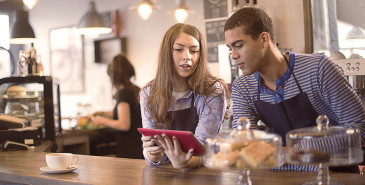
243,104
340,96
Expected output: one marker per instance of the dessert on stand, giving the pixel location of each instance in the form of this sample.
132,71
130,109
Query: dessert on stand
324,146
244,150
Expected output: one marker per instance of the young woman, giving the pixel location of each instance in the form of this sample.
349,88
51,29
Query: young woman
126,116
183,96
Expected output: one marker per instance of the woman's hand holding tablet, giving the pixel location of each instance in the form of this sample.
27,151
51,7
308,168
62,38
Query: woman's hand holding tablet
186,139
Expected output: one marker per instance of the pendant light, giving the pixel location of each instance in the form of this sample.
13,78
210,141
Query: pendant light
21,31
145,9
92,23
181,12
30,3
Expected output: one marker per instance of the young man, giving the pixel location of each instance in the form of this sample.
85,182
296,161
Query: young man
285,91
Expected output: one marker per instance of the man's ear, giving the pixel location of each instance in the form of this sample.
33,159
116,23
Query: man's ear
265,38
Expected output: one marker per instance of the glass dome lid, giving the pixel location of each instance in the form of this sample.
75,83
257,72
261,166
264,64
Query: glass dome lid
244,149
334,145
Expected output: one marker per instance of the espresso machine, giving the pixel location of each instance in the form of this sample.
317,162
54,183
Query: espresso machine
354,70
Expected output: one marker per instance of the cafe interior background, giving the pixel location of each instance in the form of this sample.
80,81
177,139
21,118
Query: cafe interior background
304,26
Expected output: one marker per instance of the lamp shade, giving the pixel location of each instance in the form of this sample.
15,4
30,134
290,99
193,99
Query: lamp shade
21,31
92,23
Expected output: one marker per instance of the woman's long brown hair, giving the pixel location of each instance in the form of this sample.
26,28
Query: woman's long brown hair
201,81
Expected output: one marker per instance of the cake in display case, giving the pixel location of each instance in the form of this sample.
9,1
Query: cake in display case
324,146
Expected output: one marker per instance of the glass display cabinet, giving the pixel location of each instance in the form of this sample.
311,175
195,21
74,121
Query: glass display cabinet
35,99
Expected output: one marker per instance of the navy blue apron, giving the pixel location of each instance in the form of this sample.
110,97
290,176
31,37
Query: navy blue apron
186,119
293,113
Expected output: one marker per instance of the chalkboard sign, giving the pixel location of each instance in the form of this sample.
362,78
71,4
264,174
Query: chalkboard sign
215,36
215,9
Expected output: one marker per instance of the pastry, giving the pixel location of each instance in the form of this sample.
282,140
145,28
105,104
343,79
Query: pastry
240,164
256,152
229,147
224,159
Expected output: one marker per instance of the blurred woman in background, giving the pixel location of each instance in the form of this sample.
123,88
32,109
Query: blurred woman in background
126,115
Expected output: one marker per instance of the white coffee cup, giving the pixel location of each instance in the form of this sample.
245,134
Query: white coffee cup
58,161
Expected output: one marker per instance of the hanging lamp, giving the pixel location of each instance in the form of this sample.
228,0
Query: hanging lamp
145,9
92,23
21,31
30,3
181,12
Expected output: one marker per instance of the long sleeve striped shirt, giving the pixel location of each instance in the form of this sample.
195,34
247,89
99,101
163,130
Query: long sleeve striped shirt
324,82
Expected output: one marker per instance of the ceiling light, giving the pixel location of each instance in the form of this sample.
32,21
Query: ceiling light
92,23
145,9
30,3
181,12
21,31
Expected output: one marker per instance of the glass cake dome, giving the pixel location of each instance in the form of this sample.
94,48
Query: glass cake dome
243,150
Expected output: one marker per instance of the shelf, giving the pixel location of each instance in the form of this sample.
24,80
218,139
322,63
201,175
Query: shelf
22,99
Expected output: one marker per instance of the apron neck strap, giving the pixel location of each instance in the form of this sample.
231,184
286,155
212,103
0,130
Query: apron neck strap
193,100
292,71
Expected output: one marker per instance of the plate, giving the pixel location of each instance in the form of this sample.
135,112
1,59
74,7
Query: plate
49,170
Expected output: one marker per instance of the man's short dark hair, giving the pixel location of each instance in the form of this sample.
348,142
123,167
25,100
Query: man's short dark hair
254,21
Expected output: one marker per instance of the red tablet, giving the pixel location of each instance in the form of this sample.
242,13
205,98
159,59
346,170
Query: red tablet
186,139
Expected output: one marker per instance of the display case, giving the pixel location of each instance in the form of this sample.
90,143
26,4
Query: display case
35,99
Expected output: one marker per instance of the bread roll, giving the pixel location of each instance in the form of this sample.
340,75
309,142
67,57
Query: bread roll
16,91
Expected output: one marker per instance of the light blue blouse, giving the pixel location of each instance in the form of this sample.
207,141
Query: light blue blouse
211,110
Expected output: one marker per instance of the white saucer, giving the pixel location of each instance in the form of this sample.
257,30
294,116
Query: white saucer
49,170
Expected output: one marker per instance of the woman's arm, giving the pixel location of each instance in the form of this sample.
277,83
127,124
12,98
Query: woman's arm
211,112
108,114
152,152
124,118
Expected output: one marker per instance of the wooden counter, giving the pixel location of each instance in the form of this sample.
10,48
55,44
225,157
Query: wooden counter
23,167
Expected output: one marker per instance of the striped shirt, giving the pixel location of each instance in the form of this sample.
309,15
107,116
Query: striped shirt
324,82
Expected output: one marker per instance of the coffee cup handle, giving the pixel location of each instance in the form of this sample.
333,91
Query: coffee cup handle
75,157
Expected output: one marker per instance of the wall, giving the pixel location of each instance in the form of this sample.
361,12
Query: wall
288,21
144,38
